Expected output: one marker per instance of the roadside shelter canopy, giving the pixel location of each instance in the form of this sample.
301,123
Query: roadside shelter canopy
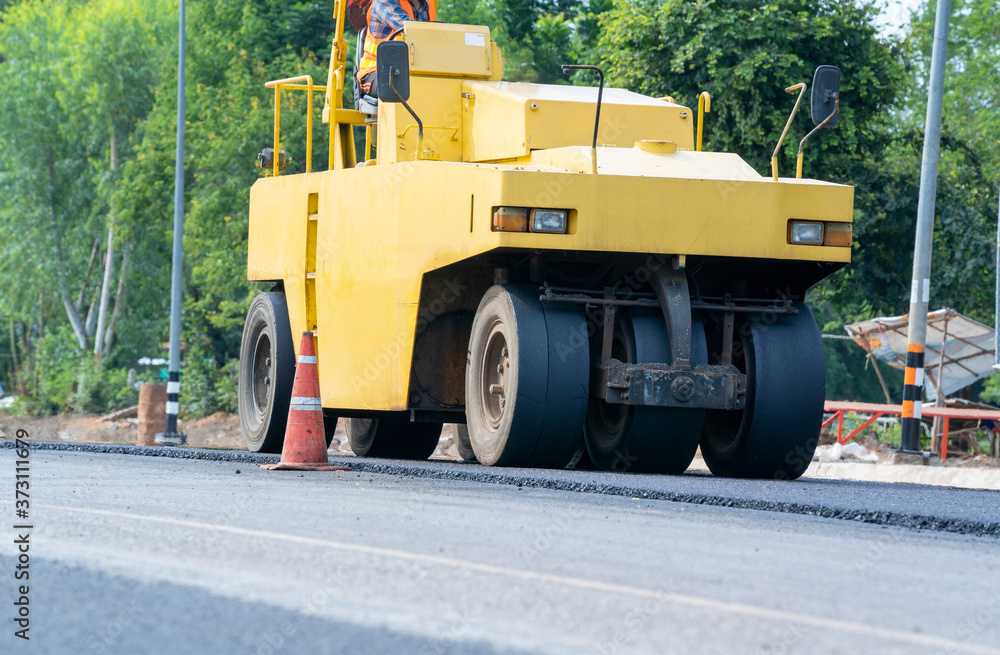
966,346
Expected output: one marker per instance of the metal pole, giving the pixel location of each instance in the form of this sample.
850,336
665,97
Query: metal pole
170,437
920,287
996,317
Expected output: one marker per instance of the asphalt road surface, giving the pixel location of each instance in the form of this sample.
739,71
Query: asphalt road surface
211,554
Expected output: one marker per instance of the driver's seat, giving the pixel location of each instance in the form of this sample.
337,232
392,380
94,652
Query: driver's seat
366,104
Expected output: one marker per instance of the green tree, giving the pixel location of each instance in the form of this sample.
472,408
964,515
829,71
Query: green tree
972,79
117,49
745,54
552,46
234,50
45,190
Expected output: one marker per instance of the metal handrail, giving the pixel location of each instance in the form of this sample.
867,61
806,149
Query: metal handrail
704,107
290,84
795,110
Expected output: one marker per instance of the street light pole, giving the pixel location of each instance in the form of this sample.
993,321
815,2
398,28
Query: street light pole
920,287
996,315
170,436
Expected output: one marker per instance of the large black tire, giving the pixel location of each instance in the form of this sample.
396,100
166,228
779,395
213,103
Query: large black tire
637,438
392,438
267,370
462,442
776,434
526,380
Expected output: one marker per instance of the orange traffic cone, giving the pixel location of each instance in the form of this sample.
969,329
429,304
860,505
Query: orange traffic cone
305,440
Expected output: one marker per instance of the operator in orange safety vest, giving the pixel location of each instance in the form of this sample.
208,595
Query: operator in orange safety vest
385,20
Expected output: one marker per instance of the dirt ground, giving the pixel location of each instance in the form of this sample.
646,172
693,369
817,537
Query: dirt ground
222,431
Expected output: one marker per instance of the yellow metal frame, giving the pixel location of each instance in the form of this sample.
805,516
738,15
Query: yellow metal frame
291,84
704,107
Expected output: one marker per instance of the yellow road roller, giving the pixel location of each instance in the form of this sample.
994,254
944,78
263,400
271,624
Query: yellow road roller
560,270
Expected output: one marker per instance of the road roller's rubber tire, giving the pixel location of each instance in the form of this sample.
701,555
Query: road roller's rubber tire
267,370
462,442
329,426
539,355
645,439
392,438
775,436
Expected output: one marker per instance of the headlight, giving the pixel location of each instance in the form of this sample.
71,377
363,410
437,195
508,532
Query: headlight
523,219
548,220
807,233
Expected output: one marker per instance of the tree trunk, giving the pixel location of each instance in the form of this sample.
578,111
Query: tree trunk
109,334
13,347
102,312
90,267
91,323
71,311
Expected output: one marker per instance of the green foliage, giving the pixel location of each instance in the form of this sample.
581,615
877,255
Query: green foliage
79,71
197,390
65,379
55,379
45,185
745,54
103,390
991,390
227,387
972,87
206,387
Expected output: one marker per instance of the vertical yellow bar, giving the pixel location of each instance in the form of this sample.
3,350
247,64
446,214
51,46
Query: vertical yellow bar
333,127
704,106
277,126
309,124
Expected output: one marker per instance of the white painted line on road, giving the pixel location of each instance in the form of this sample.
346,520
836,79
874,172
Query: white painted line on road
822,622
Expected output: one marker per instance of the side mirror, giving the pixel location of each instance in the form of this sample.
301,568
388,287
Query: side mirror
825,94
393,71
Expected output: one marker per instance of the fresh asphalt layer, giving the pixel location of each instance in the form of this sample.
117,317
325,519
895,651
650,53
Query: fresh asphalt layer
947,509
208,553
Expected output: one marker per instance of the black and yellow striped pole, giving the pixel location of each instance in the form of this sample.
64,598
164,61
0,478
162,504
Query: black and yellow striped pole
913,393
920,288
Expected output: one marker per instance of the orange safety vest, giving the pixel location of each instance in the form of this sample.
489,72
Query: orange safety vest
368,63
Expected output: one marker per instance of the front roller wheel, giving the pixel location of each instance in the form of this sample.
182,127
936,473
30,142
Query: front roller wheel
392,438
267,370
526,379
637,438
777,432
